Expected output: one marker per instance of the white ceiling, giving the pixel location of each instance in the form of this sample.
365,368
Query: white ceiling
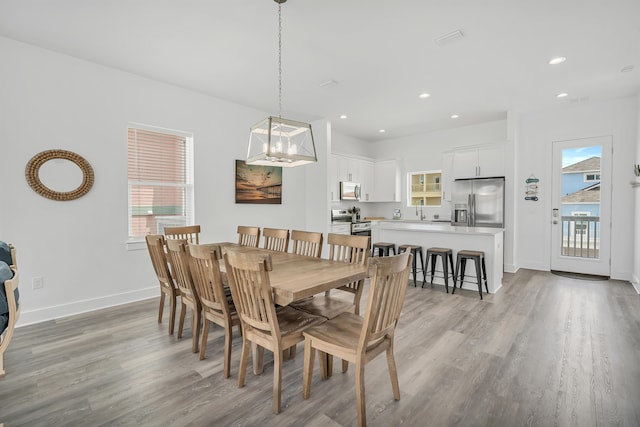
382,54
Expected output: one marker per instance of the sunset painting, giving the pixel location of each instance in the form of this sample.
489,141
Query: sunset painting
258,184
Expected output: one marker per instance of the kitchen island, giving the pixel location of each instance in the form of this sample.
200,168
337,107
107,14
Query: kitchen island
437,234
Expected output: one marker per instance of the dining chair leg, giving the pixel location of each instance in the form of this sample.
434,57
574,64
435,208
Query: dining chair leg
195,330
161,308
183,312
277,379
323,360
244,359
228,335
393,372
345,366
309,355
360,403
205,336
172,313
293,350
258,359
329,365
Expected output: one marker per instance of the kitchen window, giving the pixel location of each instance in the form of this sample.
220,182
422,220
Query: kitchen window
424,188
160,180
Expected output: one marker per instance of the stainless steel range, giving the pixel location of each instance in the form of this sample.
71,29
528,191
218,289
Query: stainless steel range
361,228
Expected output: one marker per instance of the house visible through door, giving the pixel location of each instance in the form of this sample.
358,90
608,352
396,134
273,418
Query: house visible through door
581,210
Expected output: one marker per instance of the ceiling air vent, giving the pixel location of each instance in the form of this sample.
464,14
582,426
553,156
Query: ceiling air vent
449,37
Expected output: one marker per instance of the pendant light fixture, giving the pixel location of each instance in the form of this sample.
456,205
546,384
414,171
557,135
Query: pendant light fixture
276,141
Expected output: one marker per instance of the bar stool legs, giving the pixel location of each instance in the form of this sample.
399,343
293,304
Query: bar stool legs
415,250
445,254
481,269
383,248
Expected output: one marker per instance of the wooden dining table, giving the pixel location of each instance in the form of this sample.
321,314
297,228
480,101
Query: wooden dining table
295,277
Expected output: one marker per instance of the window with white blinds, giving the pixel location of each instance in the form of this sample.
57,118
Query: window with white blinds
160,177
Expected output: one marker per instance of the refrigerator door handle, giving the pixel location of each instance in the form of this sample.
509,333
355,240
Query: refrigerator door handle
472,210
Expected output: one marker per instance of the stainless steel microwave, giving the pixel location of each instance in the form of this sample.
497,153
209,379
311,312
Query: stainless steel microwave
349,190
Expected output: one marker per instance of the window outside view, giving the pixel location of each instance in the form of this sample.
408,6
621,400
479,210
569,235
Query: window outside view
581,202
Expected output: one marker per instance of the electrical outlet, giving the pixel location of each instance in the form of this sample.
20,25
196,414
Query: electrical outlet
37,283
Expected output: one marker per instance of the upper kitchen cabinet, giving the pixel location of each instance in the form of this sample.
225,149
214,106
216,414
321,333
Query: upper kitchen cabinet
487,161
386,182
334,178
348,169
366,181
447,175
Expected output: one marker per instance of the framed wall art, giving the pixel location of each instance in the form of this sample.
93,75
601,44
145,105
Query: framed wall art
258,184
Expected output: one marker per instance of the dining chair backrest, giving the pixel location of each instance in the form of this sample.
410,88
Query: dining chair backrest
156,247
386,296
248,277
307,243
352,250
276,239
178,258
207,280
191,233
248,236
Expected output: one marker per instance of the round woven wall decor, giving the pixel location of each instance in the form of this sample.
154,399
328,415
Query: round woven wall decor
32,173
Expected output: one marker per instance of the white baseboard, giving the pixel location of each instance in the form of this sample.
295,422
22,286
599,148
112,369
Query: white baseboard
635,282
510,268
78,307
534,265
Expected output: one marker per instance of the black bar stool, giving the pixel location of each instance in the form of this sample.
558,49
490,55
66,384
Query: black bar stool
383,248
415,250
461,262
446,254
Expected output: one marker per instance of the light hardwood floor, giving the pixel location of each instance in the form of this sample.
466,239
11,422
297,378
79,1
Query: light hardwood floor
545,350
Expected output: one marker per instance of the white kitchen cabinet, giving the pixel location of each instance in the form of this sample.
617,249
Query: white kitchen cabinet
447,175
366,181
348,169
386,182
334,178
479,162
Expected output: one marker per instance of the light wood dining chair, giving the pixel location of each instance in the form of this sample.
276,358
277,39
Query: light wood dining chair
217,306
342,248
359,340
248,236
307,243
179,260
262,324
168,287
276,239
191,233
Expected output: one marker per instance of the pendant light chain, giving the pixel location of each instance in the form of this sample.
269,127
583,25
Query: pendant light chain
280,60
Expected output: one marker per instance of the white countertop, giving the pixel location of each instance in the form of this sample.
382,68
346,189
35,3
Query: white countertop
434,227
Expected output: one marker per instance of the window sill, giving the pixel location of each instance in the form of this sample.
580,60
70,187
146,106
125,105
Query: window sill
135,245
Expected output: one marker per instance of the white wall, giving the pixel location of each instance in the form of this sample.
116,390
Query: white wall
536,133
54,101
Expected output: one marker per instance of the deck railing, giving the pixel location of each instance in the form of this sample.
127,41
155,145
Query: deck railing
581,236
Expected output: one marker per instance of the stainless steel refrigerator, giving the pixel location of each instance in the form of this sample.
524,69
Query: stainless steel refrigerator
478,202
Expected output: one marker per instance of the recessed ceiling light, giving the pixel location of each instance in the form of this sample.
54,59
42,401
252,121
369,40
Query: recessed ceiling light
558,60
344,116
382,131
424,95
454,116
562,95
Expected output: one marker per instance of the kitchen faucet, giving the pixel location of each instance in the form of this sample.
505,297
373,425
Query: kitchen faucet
422,217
